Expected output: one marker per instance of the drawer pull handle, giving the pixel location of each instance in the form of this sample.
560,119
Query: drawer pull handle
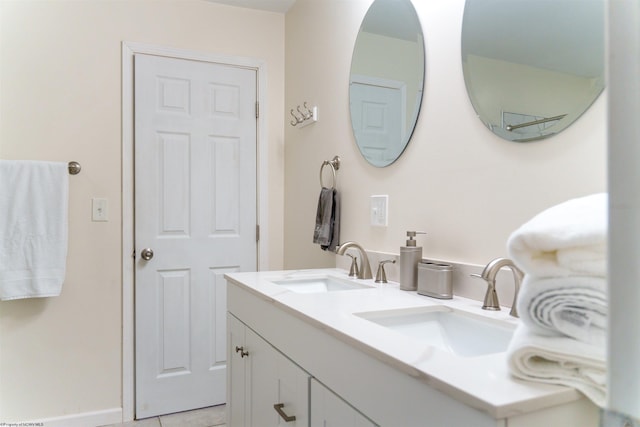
288,418
241,351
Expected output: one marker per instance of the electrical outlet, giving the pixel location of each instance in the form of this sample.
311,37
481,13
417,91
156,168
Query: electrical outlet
379,210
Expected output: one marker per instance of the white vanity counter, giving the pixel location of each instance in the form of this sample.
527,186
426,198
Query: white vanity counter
481,382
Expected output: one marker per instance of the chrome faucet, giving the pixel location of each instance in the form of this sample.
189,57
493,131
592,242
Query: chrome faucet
489,275
365,268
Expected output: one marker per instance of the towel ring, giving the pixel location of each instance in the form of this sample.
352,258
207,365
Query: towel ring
335,165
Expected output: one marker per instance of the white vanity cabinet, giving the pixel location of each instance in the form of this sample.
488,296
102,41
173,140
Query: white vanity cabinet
256,362
309,353
264,388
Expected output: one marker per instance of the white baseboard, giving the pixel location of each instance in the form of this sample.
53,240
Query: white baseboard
84,419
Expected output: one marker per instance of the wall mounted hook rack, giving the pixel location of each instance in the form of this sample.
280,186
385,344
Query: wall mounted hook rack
305,116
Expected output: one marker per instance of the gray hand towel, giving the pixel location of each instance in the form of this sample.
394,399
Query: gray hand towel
335,220
327,228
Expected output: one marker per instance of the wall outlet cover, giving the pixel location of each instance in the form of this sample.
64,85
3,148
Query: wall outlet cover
379,210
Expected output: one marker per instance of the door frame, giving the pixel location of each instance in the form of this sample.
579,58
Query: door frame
129,50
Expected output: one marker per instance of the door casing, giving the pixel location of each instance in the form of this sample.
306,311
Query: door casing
129,50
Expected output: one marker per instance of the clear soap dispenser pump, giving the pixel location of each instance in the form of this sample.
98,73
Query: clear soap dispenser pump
410,256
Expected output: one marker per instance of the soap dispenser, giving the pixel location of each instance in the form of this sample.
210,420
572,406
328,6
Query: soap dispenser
410,256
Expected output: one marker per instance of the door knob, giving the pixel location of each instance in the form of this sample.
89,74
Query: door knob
146,254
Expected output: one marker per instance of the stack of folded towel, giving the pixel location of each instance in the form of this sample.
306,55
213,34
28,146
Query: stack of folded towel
563,299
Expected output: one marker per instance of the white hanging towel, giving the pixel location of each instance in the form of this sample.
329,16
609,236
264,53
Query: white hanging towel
34,199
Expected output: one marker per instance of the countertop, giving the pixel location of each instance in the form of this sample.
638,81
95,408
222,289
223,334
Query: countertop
482,382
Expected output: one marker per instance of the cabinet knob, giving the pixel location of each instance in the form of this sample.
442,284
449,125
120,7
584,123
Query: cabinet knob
288,418
241,351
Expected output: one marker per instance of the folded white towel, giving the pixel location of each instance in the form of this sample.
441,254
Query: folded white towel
565,240
33,228
574,306
559,360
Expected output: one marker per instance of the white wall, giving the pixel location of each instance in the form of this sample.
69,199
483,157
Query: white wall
60,76
467,188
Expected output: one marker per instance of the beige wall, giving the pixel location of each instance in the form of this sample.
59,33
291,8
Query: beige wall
60,76
465,187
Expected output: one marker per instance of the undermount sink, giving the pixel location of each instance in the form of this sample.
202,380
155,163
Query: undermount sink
455,331
319,284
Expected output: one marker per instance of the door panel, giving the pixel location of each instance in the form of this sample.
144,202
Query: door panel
378,121
195,207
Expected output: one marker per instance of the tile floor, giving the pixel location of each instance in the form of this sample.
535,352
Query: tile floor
206,417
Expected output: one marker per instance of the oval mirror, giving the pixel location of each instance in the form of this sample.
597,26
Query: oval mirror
386,80
532,67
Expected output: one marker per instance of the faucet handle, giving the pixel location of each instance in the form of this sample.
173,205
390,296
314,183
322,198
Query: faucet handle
353,271
381,275
491,297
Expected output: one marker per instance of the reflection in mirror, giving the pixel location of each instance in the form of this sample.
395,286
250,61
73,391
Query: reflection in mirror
532,67
386,81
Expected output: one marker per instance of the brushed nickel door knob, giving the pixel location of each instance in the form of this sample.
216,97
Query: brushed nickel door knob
146,254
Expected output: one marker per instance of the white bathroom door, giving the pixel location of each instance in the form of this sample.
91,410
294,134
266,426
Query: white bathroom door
195,220
378,117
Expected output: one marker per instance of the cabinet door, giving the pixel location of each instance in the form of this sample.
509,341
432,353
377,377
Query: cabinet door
329,410
258,378
292,393
236,378
261,376
275,380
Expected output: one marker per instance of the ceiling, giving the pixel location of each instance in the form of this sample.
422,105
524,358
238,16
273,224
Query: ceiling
279,6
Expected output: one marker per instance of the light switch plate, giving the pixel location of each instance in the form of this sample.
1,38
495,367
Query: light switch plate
99,209
379,210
